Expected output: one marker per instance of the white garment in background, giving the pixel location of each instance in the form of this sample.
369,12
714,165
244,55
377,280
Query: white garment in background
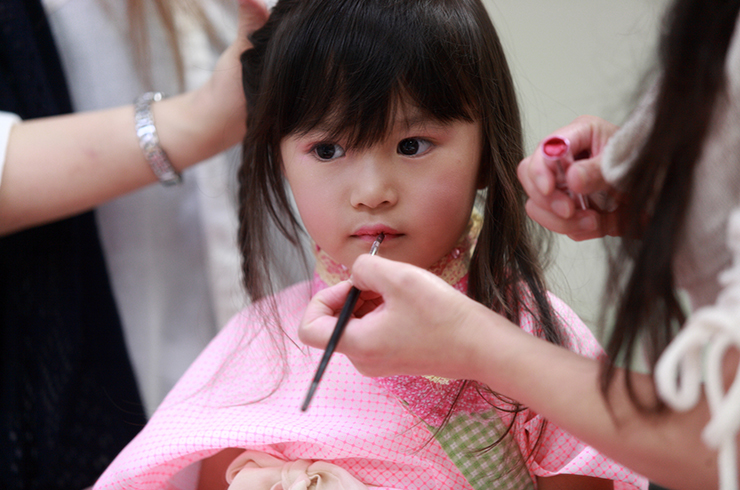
7,119
154,240
159,251
171,252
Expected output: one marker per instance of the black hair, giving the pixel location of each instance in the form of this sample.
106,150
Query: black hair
348,64
692,55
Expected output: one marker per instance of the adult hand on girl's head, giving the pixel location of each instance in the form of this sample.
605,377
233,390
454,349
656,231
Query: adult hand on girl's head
554,209
408,321
252,15
219,104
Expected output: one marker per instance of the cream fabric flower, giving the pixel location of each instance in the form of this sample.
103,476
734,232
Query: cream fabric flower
254,470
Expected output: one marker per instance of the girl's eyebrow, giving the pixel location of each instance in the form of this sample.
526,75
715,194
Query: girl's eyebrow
320,130
408,119
419,121
415,118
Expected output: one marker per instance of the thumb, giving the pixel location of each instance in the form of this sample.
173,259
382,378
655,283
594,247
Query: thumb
252,15
319,319
585,177
373,273
397,283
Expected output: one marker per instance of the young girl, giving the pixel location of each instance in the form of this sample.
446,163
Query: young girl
383,117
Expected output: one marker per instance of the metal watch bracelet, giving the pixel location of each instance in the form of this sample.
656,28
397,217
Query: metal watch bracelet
146,131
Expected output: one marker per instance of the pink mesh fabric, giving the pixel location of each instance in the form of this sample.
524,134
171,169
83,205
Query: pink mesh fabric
227,399
560,452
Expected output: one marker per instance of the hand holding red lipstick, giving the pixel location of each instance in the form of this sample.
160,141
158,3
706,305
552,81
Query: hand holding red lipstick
558,193
559,158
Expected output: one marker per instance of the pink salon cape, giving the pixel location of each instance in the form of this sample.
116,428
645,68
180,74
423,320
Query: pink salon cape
381,431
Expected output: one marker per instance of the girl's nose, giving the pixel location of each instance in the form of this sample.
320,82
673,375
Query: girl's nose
373,187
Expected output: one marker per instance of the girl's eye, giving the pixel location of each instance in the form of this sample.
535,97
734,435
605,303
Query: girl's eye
328,151
413,146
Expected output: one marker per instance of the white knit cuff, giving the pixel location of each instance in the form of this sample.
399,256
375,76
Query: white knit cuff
7,120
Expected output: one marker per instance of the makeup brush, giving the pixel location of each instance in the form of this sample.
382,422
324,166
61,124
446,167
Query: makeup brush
349,306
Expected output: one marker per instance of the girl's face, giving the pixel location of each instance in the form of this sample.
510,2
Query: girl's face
417,186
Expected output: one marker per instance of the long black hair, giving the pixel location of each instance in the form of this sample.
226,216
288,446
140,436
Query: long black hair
692,55
347,65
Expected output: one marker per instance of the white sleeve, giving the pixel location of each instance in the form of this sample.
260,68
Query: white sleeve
693,360
7,120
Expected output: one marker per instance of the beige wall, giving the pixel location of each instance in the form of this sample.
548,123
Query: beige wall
573,57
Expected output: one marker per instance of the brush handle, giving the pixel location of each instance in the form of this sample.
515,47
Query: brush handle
347,309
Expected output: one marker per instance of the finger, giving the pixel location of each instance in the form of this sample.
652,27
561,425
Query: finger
536,177
365,306
560,205
368,295
607,226
538,181
319,319
610,224
252,15
372,273
583,236
581,223
588,135
585,177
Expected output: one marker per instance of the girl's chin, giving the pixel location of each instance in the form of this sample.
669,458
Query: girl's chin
387,250
403,258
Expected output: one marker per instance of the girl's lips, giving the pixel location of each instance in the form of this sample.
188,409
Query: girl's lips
371,237
371,232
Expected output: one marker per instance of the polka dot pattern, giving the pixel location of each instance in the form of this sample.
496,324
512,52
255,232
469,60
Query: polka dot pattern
231,397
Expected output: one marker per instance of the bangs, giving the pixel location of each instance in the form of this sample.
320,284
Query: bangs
347,66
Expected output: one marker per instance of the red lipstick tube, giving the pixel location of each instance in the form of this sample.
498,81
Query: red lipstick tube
558,157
